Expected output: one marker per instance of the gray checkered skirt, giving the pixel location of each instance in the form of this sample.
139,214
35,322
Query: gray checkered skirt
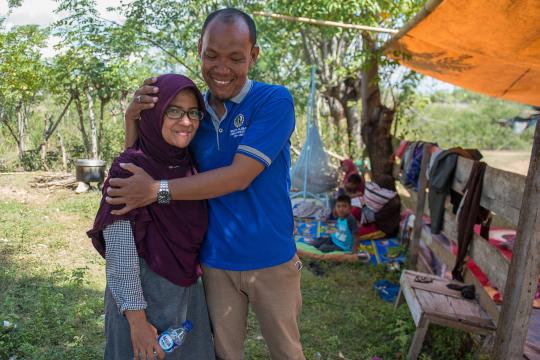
168,304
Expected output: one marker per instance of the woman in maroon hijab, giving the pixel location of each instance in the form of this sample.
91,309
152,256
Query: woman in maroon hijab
152,253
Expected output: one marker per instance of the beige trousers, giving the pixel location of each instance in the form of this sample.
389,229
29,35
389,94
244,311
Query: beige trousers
275,298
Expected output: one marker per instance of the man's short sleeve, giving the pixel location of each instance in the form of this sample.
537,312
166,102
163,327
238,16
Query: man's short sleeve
270,129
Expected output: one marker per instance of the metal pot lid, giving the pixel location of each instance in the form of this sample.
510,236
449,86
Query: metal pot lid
89,162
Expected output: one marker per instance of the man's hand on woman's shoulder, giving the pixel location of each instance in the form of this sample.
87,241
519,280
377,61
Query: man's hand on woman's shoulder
144,98
134,192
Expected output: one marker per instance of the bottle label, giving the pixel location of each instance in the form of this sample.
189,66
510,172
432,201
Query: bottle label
166,342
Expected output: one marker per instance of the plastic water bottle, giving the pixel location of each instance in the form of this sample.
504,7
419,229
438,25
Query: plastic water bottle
174,336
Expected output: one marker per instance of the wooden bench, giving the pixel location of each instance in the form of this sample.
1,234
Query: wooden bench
433,302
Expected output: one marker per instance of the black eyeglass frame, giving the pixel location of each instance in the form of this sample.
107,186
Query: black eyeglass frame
193,114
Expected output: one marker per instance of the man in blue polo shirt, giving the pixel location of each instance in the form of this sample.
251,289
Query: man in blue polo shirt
242,148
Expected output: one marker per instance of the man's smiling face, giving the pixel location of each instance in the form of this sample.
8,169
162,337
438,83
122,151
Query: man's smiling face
226,54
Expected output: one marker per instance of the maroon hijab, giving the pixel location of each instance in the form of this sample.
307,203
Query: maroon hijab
350,168
168,237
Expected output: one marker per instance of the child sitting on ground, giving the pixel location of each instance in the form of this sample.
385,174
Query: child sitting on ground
381,205
377,194
354,188
343,239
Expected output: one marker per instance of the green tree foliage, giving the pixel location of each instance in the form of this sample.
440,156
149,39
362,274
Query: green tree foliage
338,53
462,118
93,67
23,77
287,48
99,63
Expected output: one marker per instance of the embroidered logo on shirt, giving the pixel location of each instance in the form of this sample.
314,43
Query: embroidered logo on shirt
239,120
240,130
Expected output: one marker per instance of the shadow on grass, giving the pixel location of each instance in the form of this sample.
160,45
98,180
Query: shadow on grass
57,315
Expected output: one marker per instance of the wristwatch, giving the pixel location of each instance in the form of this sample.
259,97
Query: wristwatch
163,195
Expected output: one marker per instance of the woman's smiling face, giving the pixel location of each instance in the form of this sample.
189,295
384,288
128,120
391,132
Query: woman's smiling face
180,132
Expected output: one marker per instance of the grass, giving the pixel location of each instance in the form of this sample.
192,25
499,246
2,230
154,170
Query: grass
52,283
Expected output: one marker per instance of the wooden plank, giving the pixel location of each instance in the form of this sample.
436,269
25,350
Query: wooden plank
399,299
408,277
437,287
445,255
523,274
460,311
435,304
423,264
492,262
420,204
410,297
410,200
502,191
486,302
418,339
458,325
440,250
471,310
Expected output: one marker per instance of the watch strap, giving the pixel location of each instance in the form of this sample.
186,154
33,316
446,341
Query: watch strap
163,195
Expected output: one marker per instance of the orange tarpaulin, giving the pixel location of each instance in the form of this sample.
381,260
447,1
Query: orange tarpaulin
488,46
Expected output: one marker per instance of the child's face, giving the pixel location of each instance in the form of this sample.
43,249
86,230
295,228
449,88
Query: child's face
343,209
350,188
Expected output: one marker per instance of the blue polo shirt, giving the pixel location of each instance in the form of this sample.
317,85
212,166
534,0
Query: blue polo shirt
253,228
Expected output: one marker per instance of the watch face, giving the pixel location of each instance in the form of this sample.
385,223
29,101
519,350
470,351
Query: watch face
163,197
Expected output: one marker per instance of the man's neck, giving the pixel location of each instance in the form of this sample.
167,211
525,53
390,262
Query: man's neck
217,105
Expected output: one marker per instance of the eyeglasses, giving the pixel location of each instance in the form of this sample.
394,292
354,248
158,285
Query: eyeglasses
177,113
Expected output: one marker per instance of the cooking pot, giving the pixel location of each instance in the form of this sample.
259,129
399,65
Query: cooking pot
90,170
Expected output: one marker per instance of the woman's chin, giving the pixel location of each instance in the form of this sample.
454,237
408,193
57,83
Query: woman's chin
181,143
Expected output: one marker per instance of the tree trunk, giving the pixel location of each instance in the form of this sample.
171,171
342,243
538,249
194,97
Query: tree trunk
51,126
353,128
336,113
376,118
81,125
102,103
64,153
5,121
343,101
21,132
43,146
93,124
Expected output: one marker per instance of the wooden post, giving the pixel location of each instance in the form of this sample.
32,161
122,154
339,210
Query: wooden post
522,278
414,246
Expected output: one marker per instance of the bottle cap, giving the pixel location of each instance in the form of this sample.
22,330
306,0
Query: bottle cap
187,325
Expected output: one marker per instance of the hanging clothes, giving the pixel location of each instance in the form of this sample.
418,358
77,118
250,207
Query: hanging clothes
441,176
413,172
469,214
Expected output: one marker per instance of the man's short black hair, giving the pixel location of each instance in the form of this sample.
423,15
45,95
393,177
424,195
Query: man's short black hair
230,15
344,198
354,179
